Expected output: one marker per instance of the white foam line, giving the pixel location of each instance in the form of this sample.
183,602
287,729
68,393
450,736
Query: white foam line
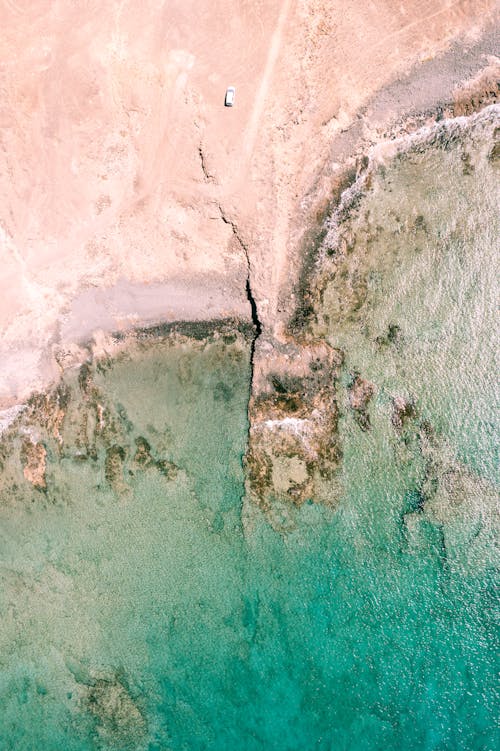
297,425
7,416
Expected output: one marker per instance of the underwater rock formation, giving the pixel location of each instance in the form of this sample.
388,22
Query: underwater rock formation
402,410
294,450
119,722
79,421
33,459
361,327
360,394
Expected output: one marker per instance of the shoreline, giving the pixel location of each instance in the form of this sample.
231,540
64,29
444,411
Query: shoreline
73,349
402,106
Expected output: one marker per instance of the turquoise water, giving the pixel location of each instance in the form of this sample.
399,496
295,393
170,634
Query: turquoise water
141,610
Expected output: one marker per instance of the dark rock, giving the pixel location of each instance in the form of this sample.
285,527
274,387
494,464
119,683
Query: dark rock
494,154
85,377
467,166
33,459
142,455
360,393
113,465
393,336
120,722
167,469
402,410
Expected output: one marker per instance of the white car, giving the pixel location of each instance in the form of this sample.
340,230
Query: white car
230,94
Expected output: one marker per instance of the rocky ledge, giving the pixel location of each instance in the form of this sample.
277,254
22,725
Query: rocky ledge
293,452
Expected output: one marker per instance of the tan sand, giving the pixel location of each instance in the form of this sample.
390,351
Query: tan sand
118,160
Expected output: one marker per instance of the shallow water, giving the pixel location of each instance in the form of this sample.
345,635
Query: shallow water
139,612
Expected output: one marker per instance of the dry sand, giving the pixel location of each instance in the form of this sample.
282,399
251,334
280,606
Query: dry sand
130,194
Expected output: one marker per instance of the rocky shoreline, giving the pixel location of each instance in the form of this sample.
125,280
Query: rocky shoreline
294,452
294,447
77,421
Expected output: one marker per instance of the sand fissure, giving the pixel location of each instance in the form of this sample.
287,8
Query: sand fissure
209,177
257,324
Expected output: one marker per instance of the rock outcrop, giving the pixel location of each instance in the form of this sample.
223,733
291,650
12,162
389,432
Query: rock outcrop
294,450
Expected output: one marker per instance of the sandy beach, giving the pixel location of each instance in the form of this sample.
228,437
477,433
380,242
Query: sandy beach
130,194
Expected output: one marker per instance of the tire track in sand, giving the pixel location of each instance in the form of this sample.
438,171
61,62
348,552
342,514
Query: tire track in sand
278,244
251,130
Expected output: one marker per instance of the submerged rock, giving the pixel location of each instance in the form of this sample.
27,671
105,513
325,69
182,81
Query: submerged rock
119,722
294,444
360,394
144,459
167,468
113,466
143,456
402,410
34,462
451,499
394,335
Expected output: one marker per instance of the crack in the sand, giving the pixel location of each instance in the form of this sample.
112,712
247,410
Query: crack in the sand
248,286
206,172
